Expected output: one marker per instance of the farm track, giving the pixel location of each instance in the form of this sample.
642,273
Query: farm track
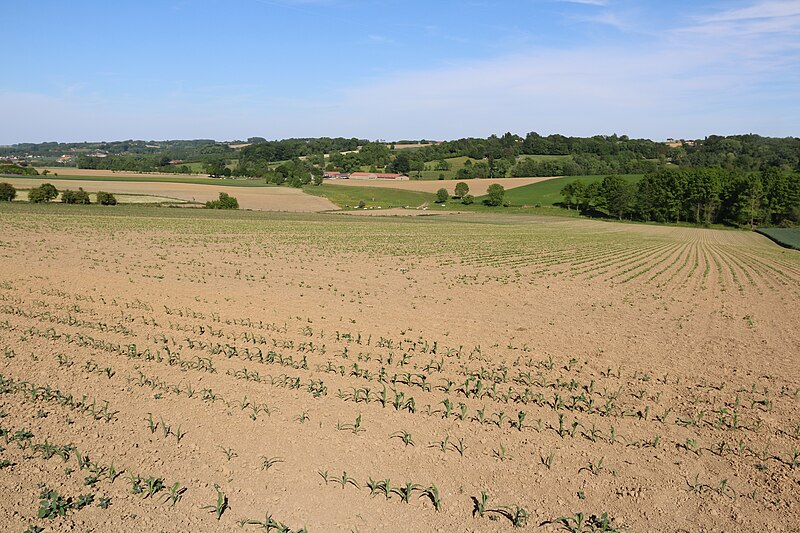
605,367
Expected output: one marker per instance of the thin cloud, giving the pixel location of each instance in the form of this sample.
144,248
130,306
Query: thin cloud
586,2
759,10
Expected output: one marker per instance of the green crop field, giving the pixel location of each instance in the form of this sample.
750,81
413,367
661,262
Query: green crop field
789,237
548,192
348,197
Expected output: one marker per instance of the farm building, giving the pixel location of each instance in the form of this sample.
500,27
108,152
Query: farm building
377,176
335,175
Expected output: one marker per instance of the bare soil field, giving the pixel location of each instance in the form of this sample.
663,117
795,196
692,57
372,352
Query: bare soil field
177,370
71,171
477,187
258,198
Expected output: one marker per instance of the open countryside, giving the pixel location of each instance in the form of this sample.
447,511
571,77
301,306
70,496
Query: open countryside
335,266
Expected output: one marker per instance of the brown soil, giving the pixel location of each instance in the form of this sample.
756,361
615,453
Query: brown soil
258,198
675,350
71,171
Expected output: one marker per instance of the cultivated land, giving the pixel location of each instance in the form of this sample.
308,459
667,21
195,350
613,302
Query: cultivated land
477,187
559,365
258,198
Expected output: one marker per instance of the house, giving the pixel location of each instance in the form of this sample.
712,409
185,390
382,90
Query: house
335,175
377,176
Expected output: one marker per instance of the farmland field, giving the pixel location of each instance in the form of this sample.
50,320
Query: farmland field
548,192
259,198
192,370
789,237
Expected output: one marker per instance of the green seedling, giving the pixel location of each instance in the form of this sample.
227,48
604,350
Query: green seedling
432,493
219,508
269,462
151,425
153,485
459,446
480,504
404,436
547,460
405,491
594,468
518,515
579,523
175,494
52,504
500,453
346,480
229,453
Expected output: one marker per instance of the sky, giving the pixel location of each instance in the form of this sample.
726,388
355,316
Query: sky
386,69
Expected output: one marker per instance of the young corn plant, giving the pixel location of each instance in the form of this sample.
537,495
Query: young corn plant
594,468
174,494
153,485
219,508
229,453
404,436
547,460
432,493
579,523
269,462
501,453
405,491
459,446
345,480
516,514
480,504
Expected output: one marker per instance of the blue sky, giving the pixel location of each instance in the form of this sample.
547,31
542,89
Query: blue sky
386,69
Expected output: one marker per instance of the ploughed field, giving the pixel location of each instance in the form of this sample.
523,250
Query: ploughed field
195,371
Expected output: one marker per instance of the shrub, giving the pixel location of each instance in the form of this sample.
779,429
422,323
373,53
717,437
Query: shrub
10,168
75,197
442,195
7,192
106,198
43,193
495,194
467,199
224,202
362,204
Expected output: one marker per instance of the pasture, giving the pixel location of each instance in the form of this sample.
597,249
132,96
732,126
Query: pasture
548,192
193,370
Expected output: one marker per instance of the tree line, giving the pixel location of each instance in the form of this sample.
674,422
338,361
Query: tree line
713,195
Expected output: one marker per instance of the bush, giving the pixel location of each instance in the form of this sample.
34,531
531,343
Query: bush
495,194
75,197
43,193
7,192
10,168
362,204
106,198
224,202
467,199
442,195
